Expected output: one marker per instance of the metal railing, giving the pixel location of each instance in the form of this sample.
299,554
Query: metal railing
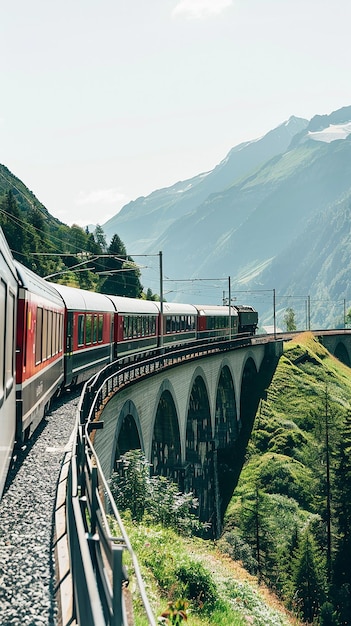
99,581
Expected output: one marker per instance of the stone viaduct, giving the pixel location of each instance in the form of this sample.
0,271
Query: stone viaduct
193,420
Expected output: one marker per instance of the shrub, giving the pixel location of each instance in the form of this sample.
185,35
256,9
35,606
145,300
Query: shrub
233,544
157,497
197,583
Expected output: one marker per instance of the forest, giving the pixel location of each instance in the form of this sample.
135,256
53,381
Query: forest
69,255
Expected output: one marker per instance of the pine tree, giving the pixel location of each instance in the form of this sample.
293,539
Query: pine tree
120,280
100,238
309,577
342,512
289,319
133,286
256,530
114,283
12,225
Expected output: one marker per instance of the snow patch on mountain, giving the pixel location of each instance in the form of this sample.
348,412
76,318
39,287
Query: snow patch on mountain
332,133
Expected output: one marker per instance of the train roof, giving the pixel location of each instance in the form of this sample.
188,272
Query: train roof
133,305
217,310
245,307
176,308
82,299
5,253
35,284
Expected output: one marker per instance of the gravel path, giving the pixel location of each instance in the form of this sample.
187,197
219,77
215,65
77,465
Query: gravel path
27,578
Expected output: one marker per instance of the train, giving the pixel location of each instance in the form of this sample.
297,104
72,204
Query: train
53,337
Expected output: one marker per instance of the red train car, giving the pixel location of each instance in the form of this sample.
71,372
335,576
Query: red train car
136,325
179,322
39,353
88,332
213,321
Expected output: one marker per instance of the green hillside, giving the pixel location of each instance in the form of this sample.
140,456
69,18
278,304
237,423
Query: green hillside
289,518
70,255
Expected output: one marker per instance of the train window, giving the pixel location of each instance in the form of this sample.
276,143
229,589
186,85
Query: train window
39,336
95,328
100,328
9,356
28,322
49,347
88,329
81,319
57,322
53,333
53,340
59,329
45,335
126,327
2,337
55,330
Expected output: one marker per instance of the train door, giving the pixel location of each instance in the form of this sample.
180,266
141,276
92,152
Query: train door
8,298
69,348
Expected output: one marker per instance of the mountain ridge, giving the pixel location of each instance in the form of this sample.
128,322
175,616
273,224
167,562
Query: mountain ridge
273,190
197,189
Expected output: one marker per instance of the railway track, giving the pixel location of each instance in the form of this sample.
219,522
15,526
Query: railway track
27,574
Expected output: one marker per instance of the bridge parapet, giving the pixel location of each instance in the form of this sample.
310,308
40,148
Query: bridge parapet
337,343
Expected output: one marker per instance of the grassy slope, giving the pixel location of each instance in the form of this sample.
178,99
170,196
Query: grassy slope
286,452
238,598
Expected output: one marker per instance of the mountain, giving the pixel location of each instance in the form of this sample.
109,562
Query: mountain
140,222
25,198
278,202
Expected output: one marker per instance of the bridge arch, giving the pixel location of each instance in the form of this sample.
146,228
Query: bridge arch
199,475
166,442
226,421
248,398
342,354
128,434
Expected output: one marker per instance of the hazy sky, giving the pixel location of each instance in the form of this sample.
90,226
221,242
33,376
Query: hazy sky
103,101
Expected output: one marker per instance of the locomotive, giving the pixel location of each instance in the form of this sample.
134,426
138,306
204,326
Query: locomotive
53,337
